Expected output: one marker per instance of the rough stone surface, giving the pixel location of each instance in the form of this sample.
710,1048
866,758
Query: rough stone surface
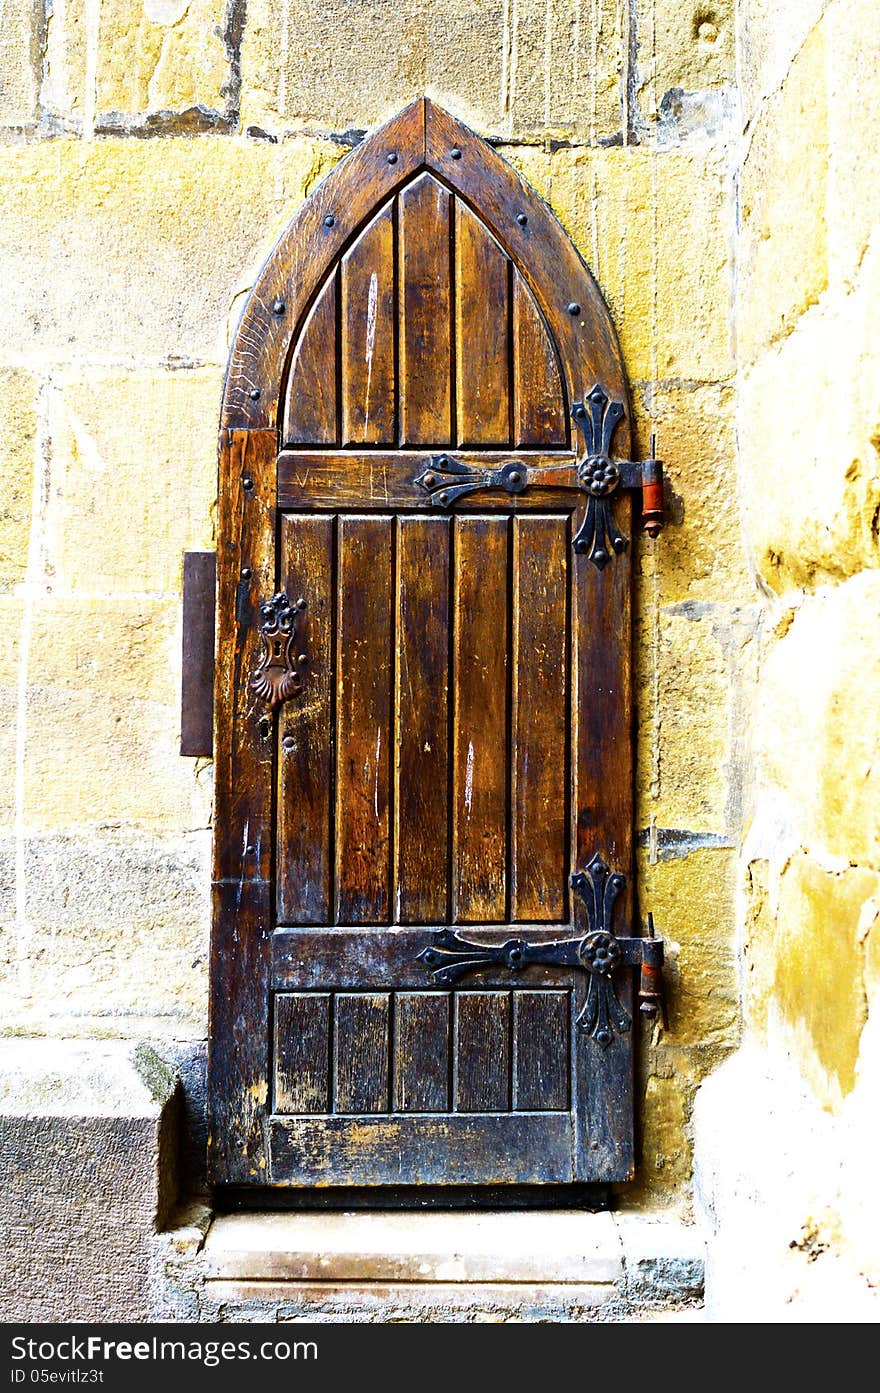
87,1140
20,36
18,428
683,49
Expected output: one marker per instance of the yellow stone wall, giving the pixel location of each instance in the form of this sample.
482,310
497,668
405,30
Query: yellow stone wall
150,154
808,424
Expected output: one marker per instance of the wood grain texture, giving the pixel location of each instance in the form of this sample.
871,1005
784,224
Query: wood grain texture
425,314
479,853
369,328
305,728
361,1026
311,403
363,719
302,1052
422,1023
540,408
482,1051
482,334
539,720
421,800
541,1050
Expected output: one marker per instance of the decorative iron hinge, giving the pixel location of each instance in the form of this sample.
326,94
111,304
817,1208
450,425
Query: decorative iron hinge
276,677
598,473
598,952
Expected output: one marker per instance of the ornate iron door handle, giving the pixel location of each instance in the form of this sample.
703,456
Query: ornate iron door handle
598,474
599,952
276,677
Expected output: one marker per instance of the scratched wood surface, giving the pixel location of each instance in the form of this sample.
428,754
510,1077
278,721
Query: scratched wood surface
461,741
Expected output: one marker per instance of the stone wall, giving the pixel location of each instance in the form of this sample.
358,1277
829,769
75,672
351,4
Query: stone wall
151,153
797,1113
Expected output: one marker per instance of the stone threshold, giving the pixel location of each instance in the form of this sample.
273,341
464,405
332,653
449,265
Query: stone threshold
451,1265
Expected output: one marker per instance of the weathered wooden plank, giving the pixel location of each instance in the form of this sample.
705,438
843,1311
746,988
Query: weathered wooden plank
369,328
541,1050
197,675
408,1149
381,959
482,1051
302,1052
421,798
305,728
311,406
539,403
363,719
426,314
539,719
482,339
479,855
382,479
360,1053
421,1051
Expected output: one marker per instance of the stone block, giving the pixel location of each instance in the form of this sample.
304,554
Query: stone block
809,429
783,243
770,36
20,39
114,936
538,68
853,211
683,48
700,554
87,1139
133,479
157,56
11,616
818,726
663,1259
654,229
140,248
103,718
18,427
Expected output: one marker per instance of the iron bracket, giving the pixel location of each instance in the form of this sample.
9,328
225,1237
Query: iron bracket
599,952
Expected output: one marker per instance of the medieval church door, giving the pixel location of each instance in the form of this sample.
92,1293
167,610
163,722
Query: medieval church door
423,851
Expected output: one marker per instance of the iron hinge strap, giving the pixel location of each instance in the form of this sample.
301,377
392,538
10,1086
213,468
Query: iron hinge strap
599,952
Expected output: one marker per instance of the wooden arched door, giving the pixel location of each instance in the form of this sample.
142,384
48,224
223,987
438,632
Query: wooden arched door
423,729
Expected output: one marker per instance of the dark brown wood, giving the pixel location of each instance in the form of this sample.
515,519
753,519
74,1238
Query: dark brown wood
305,728
421,797
482,334
363,720
421,1051
480,670
302,1055
482,1051
197,678
541,1050
369,327
426,314
539,764
360,1053
311,402
539,398
408,1149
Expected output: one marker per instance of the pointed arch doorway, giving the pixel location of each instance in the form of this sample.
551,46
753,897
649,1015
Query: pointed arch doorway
423,819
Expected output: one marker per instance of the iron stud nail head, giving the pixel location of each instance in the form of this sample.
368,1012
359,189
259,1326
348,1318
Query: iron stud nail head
521,219
255,394
246,573
279,307
288,743
247,482
392,158
574,308
455,152
329,221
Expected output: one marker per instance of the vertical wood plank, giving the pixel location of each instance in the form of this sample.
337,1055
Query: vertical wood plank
426,314
480,753
360,1053
482,1048
238,1057
421,799
421,1051
539,407
539,766
310,400
363,719
541,1053
482,358
302,1052
305,763
368,336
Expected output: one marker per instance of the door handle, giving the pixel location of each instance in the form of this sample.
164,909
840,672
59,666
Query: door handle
276,676
599,952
